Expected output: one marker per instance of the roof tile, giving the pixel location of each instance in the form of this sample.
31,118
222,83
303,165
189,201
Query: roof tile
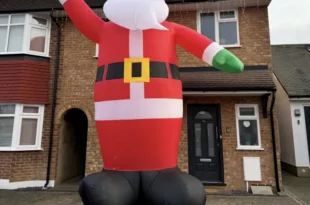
291,65
221,81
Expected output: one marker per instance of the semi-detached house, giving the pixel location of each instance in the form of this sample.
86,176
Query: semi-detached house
48,69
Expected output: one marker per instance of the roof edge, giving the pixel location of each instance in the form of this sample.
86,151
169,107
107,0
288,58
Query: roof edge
299,96
221,89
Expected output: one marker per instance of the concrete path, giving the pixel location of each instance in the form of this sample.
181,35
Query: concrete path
297,187
72,198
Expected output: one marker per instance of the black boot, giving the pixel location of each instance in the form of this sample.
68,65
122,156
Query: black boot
172,187
110,188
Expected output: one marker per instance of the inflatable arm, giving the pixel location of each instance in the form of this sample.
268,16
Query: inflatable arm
84,18
207,50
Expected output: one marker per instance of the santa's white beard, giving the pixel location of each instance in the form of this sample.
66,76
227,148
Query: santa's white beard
137,14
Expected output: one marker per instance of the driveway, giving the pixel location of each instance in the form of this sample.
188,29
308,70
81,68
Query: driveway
297,192
72,198
297,187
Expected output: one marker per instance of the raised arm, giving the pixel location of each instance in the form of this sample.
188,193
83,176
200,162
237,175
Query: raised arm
207,50
83,18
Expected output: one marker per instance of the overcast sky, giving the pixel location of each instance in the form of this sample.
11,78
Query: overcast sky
289,21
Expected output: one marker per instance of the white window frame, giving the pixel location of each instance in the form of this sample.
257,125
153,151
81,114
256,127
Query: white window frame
255,117
26,35
18,116
219,20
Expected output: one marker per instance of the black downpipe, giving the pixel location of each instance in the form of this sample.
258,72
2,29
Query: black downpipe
50,148
274,142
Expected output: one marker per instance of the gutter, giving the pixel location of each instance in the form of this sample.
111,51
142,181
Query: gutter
210,93
274,142
54,100
60,8
299,97
227,89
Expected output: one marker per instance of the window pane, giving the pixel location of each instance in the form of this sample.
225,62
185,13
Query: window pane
202,115
198,149
6,131
7,109
28,109
227,14
39,21
37,39
228,33
16,38
4,19
208,25
3,33
248,132
28,132
17,19
211,140
247,111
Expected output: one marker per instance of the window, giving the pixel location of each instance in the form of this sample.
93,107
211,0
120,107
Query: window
20,126
221,27
24,33
248,129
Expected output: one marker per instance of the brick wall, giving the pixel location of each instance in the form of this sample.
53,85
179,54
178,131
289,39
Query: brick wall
253,31
233,158
254,50
75,90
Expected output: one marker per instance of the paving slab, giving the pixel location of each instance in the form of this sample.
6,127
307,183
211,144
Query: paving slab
297,187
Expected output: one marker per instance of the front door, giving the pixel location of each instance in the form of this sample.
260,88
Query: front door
204,143
307,116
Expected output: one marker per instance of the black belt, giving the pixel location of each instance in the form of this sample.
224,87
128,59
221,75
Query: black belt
157,70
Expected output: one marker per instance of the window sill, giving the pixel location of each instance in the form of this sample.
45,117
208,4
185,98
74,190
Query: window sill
250,148
25,53
20,149
232,46
95,56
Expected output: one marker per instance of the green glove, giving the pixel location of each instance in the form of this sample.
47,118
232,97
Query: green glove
225,61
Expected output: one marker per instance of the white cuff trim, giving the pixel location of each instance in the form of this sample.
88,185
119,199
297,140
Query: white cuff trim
62,1
137,109
210,52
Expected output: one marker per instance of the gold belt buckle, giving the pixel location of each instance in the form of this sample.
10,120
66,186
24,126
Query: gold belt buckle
145,70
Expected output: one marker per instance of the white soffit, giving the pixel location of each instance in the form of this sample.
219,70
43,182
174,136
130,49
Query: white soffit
217,6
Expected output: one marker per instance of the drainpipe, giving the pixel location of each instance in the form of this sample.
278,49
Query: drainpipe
56,67
274,142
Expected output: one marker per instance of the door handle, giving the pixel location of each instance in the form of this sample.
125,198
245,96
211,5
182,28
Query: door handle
217,133
205,160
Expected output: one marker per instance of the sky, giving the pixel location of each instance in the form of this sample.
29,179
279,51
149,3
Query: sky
289,21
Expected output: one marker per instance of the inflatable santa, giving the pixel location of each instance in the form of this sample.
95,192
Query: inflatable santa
138,101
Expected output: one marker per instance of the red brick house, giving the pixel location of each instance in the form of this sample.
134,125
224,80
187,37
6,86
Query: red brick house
47,129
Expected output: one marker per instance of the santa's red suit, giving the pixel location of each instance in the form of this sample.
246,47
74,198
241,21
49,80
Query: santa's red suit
138,93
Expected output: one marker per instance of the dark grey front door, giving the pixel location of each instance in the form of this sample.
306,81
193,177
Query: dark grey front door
204,143
307,117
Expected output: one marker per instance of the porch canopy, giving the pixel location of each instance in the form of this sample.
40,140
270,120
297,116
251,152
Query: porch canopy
254,80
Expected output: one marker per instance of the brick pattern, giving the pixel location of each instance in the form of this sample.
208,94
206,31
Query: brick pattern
75,90
233,158
255,46
24,81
